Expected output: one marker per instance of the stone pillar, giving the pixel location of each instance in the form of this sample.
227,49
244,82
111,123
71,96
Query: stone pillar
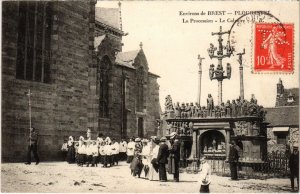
200,76
219,92
194,146
227,141
241,82
199,90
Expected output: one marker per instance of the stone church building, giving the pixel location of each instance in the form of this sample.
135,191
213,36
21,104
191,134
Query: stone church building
69,54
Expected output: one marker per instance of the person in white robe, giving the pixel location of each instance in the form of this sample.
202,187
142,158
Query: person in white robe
123,149
115,152
81,151
95,153
89,153
153,168
130,150
102,153
205,173
146,156
108,152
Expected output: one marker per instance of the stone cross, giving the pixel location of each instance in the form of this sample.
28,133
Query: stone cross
200,75
141,45
240,60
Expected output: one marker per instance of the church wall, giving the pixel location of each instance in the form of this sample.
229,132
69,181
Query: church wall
59,108
112,126
131,103
153,106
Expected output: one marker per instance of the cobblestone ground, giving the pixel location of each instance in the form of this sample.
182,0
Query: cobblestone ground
62,177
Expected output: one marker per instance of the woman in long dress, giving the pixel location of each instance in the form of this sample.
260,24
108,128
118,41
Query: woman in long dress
153,169
71,151
146,156
136,165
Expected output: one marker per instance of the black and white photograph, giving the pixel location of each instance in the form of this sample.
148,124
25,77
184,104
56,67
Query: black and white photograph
149,96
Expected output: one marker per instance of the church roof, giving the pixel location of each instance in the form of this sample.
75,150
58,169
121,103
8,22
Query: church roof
283,116
108,16
127,58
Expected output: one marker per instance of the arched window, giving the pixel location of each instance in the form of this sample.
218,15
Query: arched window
140,89
103,80
34,41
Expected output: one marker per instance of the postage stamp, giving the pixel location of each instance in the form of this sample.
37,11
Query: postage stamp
274,47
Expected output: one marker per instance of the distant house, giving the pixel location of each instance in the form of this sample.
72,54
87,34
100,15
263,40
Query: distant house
283,119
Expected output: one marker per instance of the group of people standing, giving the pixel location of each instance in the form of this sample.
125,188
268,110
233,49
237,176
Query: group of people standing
88,152
152,156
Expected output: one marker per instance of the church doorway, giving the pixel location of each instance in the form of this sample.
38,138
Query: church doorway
212,142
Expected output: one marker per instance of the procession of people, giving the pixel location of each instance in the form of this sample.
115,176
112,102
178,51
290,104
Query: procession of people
149,158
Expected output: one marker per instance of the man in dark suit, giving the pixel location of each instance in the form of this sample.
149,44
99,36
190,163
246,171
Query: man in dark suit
294,167
174,156
162,159
33,138
233,160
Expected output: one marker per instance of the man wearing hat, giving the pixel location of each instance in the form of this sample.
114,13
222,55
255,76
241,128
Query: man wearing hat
205,173
233,160
294,166
162,159
174,156
32,147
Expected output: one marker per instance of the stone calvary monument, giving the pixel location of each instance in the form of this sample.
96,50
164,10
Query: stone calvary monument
209,129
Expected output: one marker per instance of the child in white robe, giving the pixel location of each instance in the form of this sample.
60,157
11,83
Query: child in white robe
95,154
89,153
81,151
102,153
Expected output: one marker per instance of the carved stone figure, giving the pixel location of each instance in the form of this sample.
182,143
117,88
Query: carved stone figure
222,110
210,104
217,112
182,108
177,110
192,111
169,104
219,71
228,108
252,108
211,71
238,107
228,67
204,111
187,110
214,144
223,145
233,109
244,108
199,113
196,110
211,50
242,127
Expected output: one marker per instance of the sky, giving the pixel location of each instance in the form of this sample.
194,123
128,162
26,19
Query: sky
172,46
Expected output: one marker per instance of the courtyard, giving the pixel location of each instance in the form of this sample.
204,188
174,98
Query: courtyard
62,177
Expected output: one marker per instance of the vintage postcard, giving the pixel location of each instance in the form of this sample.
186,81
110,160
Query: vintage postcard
150,96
